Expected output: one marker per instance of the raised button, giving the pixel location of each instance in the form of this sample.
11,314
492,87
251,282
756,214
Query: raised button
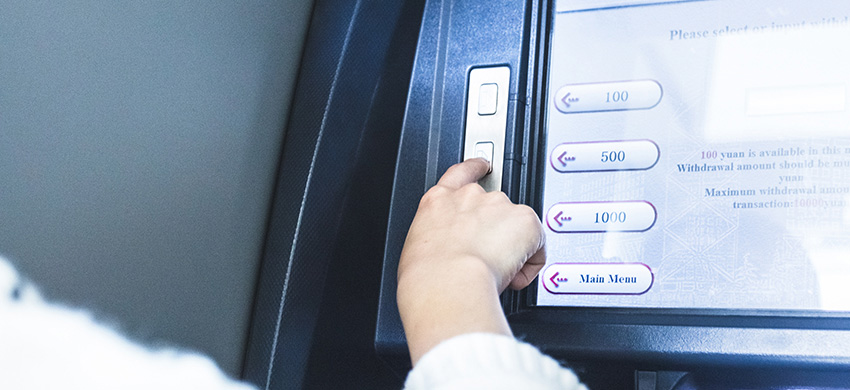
601,217
604,156
488,98
597,278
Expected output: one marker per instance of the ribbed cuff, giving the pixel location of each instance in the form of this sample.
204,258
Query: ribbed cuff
488,361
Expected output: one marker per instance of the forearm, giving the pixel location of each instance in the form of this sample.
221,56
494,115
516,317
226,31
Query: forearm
435,307
463,248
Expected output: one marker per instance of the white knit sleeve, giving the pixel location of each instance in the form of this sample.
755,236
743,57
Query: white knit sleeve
489,361
44,345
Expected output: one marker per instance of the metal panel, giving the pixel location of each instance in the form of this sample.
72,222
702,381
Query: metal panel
485,130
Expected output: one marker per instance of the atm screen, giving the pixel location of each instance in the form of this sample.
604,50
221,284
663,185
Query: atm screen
697,155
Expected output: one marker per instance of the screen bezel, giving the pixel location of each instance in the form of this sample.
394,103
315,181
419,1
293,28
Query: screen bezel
526,299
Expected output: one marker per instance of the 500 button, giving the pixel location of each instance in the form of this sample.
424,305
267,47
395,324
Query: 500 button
597,278
604,156
599,217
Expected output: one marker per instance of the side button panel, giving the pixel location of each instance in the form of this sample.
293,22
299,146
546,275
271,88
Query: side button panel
486,120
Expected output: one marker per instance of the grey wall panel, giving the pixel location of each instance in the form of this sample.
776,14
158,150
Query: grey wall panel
138,148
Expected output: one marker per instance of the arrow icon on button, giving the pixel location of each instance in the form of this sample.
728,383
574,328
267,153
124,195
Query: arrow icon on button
555,279
567,100
552,279
564,99
564,159
558,218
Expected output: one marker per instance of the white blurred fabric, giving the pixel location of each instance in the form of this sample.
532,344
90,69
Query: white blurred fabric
489,361
44,345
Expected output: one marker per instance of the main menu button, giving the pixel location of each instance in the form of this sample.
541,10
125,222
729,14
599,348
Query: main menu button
597,278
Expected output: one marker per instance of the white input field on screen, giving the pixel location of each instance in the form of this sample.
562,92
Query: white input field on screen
809,99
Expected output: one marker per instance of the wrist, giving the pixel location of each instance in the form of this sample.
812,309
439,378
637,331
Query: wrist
447,273
437,303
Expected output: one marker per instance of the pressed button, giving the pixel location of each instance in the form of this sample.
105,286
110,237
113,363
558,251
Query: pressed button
600,217
485,150
597,278
607,96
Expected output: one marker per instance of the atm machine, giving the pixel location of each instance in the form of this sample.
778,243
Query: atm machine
690,163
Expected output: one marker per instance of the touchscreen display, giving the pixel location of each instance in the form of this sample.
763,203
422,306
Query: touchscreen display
698,155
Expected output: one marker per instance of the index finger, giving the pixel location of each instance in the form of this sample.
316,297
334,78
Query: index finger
461,174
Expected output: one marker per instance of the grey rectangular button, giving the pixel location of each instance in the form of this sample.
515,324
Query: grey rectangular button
488,98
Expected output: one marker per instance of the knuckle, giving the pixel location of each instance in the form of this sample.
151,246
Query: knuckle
529,217
469,192
498,197
471,188
452,170
458,169
432,196
528,211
